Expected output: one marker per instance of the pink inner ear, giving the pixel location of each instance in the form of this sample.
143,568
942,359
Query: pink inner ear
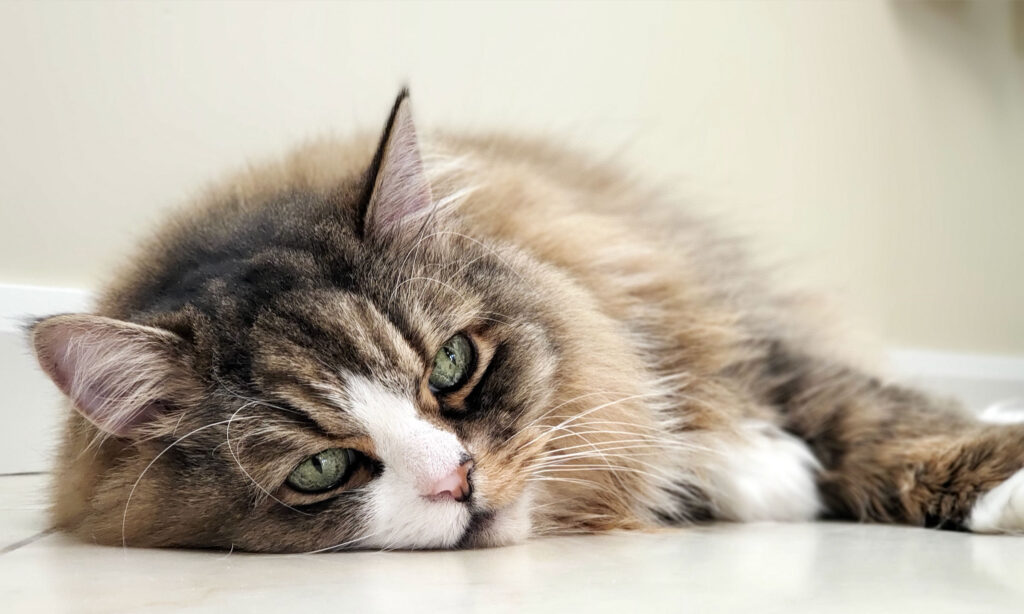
401,191
114,372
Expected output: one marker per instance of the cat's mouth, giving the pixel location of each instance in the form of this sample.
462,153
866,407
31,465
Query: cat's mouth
502,526
476,530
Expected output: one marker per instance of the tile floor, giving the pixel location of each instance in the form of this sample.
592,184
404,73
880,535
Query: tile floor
819,568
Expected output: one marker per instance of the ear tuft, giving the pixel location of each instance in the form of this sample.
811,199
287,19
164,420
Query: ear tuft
397,185
117,374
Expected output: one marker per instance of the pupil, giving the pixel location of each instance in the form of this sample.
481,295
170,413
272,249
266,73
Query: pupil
316,463
451,355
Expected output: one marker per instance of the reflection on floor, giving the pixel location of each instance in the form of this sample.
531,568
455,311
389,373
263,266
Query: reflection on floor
820,568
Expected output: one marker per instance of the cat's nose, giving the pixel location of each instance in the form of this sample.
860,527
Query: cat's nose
455,486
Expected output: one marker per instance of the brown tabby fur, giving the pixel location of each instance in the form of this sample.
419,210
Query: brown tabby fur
586,292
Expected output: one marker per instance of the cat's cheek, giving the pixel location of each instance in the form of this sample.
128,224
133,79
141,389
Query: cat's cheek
398,517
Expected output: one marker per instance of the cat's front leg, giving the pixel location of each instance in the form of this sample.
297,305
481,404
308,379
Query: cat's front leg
890,454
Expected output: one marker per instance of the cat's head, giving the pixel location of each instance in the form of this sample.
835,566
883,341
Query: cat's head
344,369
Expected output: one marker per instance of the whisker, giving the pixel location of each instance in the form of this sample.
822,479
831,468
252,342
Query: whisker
261,402
234,455
339,545
605,468
562,404
563,458
422,278
124,517
571,419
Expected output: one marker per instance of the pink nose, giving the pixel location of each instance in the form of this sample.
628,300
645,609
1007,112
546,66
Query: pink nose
453,486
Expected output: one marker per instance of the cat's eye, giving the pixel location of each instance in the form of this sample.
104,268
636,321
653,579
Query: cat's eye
453,364
323,471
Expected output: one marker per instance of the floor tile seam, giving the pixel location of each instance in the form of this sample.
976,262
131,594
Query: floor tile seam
25,542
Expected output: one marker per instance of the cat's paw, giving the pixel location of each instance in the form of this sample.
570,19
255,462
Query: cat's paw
1000,510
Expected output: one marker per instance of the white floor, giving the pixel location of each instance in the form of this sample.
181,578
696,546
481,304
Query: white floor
820,568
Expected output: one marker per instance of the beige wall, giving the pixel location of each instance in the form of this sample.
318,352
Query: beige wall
881,144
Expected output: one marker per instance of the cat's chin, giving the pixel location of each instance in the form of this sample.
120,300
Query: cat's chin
503,527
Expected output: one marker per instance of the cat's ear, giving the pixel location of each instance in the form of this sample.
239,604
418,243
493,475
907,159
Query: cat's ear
397,190
120,376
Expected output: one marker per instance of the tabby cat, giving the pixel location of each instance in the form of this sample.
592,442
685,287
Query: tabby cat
467,342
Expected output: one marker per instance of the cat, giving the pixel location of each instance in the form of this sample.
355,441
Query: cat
378,344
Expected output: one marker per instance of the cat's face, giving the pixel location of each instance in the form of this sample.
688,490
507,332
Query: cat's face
395,414
263,401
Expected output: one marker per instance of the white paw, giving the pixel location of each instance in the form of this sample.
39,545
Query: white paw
769,475
1000,510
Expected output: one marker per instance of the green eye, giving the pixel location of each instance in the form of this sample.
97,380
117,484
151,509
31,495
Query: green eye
322,471
452,364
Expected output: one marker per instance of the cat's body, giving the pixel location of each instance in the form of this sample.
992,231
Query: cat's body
626,369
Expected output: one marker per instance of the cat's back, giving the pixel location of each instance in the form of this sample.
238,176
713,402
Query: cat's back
638,251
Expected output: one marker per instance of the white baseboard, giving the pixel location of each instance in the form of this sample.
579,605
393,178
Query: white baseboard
32,407
931,363
20,304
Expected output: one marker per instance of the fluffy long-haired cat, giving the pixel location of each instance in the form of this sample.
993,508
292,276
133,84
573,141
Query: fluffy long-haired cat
466,342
